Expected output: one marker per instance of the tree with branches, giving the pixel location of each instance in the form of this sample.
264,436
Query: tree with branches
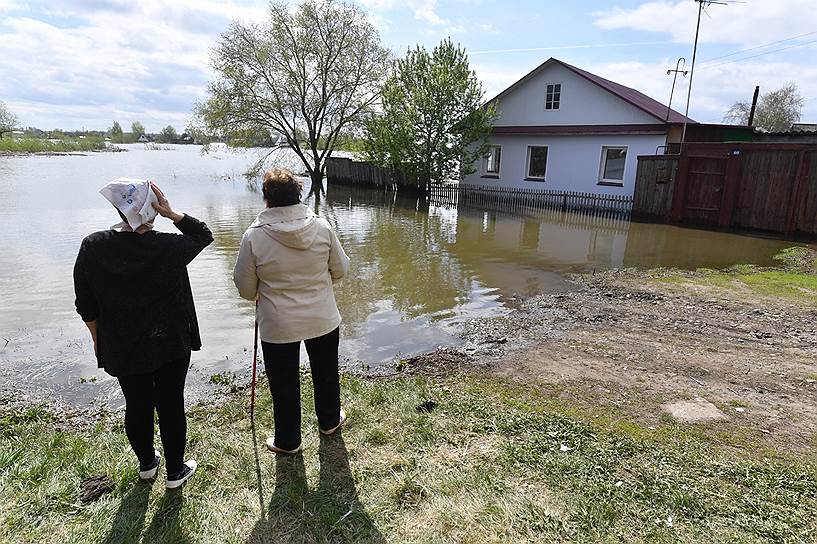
434,125
776,111
7,120
308,73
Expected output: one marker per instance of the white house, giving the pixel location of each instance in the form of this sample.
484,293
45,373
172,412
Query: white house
565,129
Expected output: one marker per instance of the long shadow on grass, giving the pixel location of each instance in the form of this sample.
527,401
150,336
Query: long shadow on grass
330,513
166,526
130,518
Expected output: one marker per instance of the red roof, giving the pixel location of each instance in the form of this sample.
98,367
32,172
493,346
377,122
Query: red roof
540,130
628,94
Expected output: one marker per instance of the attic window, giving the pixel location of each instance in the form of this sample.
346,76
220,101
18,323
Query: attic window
553,96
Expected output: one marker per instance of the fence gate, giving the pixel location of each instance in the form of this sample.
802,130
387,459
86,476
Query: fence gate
706,192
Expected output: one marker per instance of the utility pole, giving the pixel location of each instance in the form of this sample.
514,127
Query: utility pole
754,106
694,54
674,77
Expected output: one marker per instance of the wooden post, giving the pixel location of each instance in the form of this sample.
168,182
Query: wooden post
731,179
678,194
751,119
796,198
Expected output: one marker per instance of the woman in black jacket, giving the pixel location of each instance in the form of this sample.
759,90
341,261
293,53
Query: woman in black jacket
133,293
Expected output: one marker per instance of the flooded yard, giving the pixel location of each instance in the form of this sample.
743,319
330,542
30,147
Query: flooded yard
418,273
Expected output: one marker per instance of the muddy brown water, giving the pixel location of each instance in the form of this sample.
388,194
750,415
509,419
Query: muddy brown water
417,273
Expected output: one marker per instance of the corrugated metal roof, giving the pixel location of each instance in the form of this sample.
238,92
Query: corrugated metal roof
628,94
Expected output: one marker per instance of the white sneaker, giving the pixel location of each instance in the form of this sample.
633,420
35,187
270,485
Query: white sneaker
340,424
275,449
148,473
177,480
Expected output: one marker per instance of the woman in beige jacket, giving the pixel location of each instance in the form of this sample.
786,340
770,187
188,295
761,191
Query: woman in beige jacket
289,260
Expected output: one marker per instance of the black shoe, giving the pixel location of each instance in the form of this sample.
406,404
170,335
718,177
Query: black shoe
178,479
149,472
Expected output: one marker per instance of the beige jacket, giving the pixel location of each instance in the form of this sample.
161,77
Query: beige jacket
289,258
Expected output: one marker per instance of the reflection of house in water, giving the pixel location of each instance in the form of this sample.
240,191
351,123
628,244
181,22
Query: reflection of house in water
652,246
529,252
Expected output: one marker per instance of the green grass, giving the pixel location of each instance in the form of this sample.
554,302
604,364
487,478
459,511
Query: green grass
487,464
36,145
795,279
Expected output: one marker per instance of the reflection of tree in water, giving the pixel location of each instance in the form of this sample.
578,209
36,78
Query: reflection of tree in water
398,253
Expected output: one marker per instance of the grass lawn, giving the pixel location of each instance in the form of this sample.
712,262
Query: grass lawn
490,462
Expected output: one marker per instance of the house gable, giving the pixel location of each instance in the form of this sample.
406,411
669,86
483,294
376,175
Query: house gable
585,100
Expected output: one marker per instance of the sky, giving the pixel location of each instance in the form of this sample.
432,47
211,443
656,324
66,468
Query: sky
76,64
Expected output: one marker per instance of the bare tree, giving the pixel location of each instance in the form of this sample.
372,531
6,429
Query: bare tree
7,120
776,110
307,73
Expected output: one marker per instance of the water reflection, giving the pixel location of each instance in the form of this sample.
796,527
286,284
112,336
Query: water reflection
417,270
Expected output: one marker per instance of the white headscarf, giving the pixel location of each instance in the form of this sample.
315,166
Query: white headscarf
134,198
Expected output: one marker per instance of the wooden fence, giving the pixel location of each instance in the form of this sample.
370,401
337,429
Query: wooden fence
755,186
354,173
511,198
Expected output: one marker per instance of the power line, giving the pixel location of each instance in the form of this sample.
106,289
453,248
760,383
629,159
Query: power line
794,46
560,47
759,47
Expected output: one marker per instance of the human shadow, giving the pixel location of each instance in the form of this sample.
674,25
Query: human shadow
336,486
330,513
166,523
130,518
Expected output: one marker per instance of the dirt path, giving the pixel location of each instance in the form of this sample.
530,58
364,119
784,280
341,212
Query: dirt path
718,357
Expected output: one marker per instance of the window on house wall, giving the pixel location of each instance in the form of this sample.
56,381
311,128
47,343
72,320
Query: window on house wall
553,96
537,163
613,160
491,162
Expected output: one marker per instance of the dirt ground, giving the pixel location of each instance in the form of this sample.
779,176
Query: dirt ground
719,358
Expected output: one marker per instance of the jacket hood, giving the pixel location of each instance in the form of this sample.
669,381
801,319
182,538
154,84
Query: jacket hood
293,226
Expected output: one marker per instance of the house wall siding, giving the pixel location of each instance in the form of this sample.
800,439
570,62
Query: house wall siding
573,162
582,103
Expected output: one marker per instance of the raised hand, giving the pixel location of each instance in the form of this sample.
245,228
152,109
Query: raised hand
163,206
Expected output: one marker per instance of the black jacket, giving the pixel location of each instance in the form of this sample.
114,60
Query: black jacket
136,288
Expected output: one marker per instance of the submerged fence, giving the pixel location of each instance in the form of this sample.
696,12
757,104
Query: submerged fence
511,198
351,173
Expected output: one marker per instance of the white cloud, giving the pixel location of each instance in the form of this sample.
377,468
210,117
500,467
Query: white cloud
746,23
127,61
423,10
488,28
10,5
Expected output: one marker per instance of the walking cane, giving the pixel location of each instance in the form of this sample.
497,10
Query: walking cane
254,362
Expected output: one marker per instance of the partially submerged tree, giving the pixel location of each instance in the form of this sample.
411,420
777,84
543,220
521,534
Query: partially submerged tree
434,125
168,135
117,135
306,74
776,111
7,120
137,129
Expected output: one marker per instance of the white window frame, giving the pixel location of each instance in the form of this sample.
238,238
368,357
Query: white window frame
603,160
559,103
537,179
485,173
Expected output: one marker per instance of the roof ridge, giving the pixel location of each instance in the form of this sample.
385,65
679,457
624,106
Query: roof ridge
632,96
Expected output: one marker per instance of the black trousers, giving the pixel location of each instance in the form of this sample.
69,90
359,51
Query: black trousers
163,390
282,362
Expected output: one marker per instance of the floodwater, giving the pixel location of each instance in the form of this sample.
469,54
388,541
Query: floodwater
417,273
